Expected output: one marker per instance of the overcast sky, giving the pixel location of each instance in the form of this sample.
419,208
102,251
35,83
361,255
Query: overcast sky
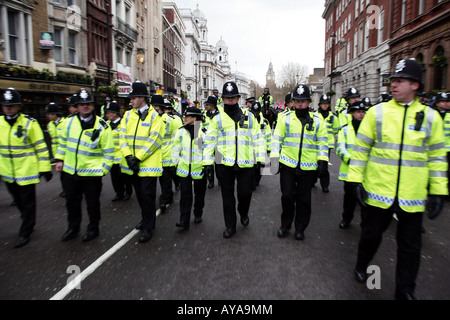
258,32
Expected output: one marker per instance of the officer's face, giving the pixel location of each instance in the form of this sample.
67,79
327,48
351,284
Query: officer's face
111,115
189,119
351,100
73,109
403,90
324,106
230,100
301,104
85,109
137,102
358,114
209,107
290,104
51,116
11,110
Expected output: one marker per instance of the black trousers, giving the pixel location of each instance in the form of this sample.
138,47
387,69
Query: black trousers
145,188
120,181
187,197
349,203
25,198
75,187
325,180
296,197
374,221
165,182
245,182
257,175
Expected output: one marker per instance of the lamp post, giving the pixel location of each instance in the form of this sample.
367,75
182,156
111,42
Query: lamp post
332,36
195,66
108,38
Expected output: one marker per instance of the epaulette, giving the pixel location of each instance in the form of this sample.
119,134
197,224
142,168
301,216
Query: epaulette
29,117
103,123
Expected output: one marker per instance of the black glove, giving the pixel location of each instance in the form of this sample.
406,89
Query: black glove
47,175
133,163
434,206
322,169
208,171
360,193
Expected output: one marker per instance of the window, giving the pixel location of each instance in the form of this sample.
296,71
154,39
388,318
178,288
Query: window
72,48
403,12
119,55
361,7
380,27
366,36
13,26
356,8
58,38
349,48
421,6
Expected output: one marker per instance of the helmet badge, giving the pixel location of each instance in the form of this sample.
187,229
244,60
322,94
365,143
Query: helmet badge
8,96
400,66
83,94
353,90
300,90
229,87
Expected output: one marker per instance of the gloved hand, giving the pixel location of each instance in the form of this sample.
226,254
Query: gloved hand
360,193
322,169
274,165
434,206
133,163
208,171
47,175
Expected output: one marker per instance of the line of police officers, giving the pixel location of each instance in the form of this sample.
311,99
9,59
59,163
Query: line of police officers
393,161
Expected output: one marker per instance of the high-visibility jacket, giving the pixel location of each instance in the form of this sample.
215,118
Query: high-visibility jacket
116,141
332,123
23,151
187,153
266,131
341,103
54,131
269,99
141,137
88,152
231,142
171,125
208,116
293,142
344,117
393,159
345,142
447,131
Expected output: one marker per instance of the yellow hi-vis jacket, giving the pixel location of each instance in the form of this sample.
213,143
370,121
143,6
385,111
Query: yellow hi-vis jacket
393,159
87,152
345,142
54,131
187,153
332,123
447,131
341,103
141,137
116,141
171,125
266,132
234,143
23,151
293,143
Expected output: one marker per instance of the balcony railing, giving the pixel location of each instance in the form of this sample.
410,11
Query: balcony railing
126,29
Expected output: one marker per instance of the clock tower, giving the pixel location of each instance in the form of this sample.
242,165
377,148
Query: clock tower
270,77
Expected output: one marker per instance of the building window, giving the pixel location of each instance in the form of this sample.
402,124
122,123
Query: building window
380,27
421,6
366,36
13,34
57,34
403,12
72,48
356,8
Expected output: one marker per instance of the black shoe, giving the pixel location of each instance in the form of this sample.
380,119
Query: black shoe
183,226
325,190
197,219
69,234
211,185
404,296
139,226
360,275
299,235
229,232
282,232
344,224
90,235
127,197
145,236
117,198
245,221
21,241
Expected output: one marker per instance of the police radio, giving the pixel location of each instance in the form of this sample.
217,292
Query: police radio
241,122
419,120
19,132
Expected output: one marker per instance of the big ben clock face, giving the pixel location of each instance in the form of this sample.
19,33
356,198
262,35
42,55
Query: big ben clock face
269,77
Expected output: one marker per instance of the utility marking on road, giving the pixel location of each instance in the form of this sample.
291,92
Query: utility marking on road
97,263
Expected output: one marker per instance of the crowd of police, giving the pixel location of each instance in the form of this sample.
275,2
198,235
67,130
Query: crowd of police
394,160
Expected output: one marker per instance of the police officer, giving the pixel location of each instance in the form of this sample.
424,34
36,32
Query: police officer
84,156
211,111
187,152
120,181
384,97
266,99
443,106
219,99
141,140
300,148
171,125
352,95
398,160
367,102
341,103
71,104
104,107
24,159
346,140
237,136
332,122
249,102
288,102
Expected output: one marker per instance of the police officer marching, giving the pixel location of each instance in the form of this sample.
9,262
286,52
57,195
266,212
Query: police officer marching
140,140
219,99
443,106
120,181
211,111
237,136
300,150
24,159
84,156
352,95
398,161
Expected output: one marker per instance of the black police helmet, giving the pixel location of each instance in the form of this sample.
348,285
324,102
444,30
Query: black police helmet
72,100
53,108
215,91
325,99
256,106
113,107
357,105
138,89
301,92
230,90
10,97
83,96
251,99
367,101
442,96
193,112
288,98
158,100
352,92
409,69
384,97
212,100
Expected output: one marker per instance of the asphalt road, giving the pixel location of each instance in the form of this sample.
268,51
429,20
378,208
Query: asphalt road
199,264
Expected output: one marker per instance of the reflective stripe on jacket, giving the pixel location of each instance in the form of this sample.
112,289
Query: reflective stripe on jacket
187,153
346,140
332,123
54,131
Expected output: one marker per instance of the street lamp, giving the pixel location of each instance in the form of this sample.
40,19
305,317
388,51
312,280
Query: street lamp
195,66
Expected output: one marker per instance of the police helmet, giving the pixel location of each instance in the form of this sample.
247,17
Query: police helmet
409,69
358,105
251,99
215,91
10,97
138,89
301,92
159,100
193,112
256,106
53,108
212,100
113,107
72,100
442,96
384,97
230,90
288,98
325,99
352,92
367,101
83,96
